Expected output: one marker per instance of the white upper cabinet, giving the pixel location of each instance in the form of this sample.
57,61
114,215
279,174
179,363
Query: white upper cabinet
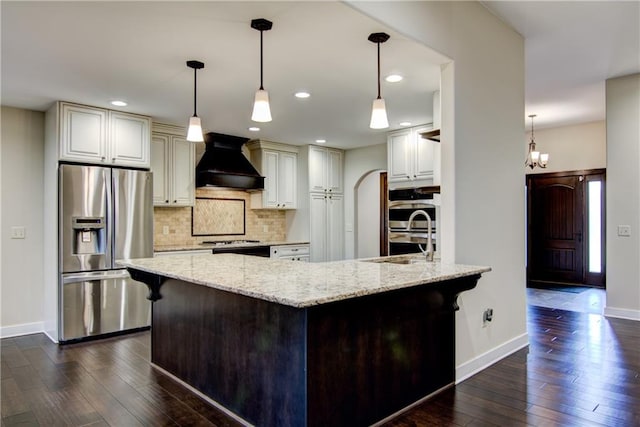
83,133
410,158
325,170
173,167
278,163
129,139
96,135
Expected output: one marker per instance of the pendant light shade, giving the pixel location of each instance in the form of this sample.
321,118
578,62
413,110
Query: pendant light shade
194,134
261,110
534,158
378,111
379,115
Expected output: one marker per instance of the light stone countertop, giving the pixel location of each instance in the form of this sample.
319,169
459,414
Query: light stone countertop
300,284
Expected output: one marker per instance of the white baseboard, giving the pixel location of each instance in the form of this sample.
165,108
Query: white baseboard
622,313
487,359
23,329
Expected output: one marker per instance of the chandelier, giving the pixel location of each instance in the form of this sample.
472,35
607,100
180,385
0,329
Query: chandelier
534,158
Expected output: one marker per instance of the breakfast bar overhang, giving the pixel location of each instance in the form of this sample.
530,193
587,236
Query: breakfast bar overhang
279,343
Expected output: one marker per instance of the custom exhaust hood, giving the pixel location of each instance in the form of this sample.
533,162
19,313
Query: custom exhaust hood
224,165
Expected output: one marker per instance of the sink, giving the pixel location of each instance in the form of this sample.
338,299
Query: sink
391,260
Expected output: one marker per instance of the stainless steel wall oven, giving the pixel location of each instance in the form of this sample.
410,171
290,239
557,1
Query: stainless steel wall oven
403,203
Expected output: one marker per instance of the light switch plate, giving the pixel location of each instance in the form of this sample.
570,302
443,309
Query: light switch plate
624,230
18,232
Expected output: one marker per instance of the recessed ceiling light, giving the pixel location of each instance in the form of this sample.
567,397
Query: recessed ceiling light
393,78
302,94
321,141
405,123
119,103
254,129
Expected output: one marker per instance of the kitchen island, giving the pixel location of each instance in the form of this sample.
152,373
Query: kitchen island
295,344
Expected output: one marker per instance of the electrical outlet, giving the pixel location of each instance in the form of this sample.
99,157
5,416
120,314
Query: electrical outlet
165,229
487,316
18,232
265,228
624,230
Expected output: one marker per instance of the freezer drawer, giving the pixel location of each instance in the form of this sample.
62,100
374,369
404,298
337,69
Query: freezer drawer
101,303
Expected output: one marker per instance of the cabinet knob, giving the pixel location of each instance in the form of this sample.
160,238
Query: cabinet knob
166,201
408,176
331,189
102,159
175,201
113,160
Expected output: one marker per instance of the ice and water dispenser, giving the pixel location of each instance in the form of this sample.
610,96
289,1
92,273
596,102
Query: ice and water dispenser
89,235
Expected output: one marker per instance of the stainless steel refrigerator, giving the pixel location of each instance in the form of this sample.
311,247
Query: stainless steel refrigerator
106,214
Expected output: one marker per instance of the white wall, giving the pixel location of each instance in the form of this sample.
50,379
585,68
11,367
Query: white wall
623,196
368,216
482,97
22,159
570,148
357,163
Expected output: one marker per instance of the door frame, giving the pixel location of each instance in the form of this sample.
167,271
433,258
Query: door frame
587,175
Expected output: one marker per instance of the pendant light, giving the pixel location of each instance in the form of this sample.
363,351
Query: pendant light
194,134
378,111
534,158
261,111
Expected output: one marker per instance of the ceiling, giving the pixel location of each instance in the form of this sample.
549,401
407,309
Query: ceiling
571,48
95,52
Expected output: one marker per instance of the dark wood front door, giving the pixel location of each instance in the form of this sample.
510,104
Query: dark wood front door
555,229
566,228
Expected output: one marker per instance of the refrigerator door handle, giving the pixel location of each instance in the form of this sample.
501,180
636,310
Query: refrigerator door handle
91,276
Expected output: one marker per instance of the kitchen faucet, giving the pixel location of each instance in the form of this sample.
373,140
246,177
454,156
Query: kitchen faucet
428,251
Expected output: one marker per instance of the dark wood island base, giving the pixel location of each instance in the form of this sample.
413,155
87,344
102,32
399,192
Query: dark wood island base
347,363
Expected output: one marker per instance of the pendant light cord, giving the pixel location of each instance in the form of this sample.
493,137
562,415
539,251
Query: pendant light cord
195,85
378,70
261,85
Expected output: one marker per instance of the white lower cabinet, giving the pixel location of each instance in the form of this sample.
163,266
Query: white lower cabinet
173,167
326,227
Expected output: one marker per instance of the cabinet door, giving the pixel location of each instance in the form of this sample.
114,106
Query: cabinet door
317,169
287,178
160,167
183,169
129,139
270,171
334,171
335,227
423,161
399,157
83,133
318,227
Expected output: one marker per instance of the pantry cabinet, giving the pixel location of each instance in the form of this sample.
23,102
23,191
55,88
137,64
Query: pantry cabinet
325,170
326,227
410,158
278,163
173,167
96,135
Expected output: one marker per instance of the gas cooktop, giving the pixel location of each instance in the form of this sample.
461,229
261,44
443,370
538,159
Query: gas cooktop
228,242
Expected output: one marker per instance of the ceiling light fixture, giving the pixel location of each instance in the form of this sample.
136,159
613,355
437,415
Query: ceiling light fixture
254,129
261,110
378,111
302,94
534,158
405,123
119,103
194,134
394,78
321,141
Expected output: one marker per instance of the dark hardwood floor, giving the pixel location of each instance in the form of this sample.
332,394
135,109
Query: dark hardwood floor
581,369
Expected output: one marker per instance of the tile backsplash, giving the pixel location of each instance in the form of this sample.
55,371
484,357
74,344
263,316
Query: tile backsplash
264,225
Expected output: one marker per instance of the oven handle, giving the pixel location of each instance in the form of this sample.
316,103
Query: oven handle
409,237
411,204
